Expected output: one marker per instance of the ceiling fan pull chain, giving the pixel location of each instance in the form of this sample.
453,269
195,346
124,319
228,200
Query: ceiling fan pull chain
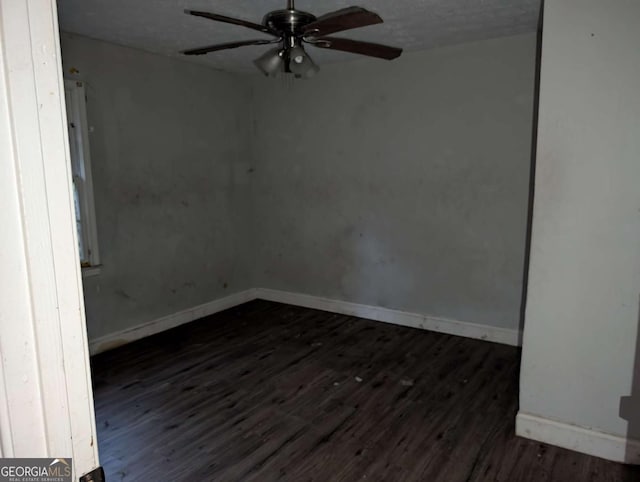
287,82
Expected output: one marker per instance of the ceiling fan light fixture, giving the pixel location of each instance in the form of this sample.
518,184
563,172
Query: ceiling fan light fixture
305,68
297,55
270,63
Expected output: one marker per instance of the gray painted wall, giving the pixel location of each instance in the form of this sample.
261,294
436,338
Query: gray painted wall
170,156
400,185
581,354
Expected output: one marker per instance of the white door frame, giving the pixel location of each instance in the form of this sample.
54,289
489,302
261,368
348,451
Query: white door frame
46,402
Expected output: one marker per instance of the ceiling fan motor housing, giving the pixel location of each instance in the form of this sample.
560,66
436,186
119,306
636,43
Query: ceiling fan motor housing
289,22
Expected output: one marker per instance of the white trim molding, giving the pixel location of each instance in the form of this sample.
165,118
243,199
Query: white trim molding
376,313
114,340
46,401
579,439
414,320
89,271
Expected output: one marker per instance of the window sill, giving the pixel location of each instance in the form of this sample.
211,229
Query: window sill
91,271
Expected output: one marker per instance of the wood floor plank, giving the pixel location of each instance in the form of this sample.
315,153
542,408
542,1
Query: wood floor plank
267,391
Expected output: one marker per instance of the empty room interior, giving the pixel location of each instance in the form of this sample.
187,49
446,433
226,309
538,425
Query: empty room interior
395,241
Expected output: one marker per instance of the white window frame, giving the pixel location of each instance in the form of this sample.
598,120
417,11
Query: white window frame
80,157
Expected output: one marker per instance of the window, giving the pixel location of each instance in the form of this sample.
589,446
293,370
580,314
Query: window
81,171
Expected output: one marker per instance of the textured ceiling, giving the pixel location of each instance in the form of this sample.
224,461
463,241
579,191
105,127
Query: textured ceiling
160,26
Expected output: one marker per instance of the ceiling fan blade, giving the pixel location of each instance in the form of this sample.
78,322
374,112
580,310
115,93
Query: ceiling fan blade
340,20
231,20
358,47
230,45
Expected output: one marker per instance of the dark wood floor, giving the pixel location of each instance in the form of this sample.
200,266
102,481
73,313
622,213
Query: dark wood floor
268,391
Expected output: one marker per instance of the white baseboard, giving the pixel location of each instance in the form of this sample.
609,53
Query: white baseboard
114,340
580,439
414,320
396,317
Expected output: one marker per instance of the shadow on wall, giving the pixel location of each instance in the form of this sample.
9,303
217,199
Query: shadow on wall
630,405
532,174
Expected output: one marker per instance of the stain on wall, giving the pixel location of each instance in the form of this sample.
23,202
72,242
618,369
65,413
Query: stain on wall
169,156
403,184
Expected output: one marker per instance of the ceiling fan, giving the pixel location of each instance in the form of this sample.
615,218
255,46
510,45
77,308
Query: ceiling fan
292,29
